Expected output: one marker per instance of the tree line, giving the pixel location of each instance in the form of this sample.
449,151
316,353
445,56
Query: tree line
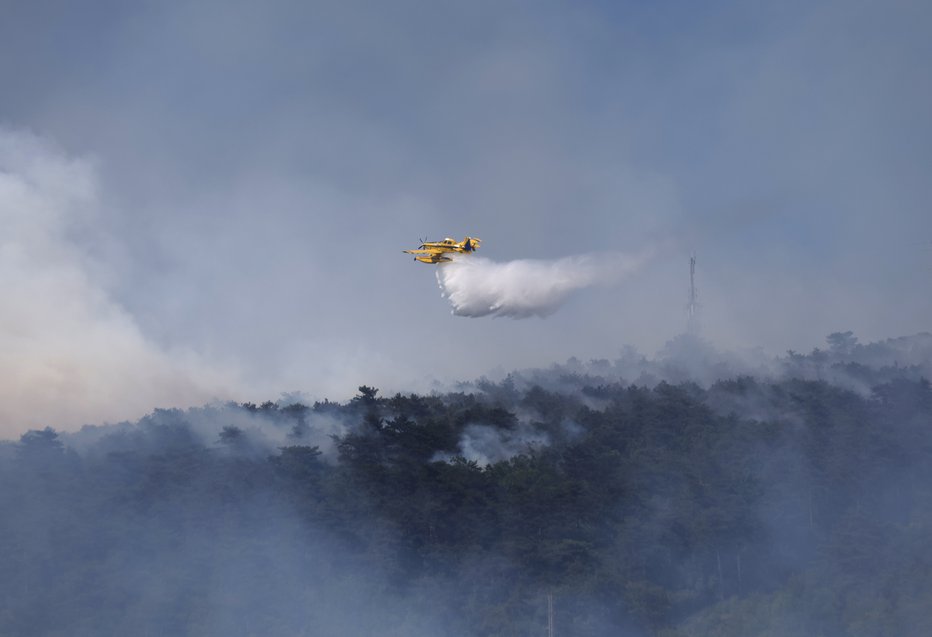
753,506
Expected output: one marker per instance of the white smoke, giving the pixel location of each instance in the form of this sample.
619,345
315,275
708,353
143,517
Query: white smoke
523,288
487,445
69,352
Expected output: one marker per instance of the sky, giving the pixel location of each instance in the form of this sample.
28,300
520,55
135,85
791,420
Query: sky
208,200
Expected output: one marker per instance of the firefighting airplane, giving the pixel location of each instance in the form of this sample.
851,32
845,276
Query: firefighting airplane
436,251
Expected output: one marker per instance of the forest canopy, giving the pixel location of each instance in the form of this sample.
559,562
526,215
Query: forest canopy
697,494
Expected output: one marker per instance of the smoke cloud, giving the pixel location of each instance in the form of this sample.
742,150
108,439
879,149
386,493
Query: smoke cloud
69,353
525,287
485,444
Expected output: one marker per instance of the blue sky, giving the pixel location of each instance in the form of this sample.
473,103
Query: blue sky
250,172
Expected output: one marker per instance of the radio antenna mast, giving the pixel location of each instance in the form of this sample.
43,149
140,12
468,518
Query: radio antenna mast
692,308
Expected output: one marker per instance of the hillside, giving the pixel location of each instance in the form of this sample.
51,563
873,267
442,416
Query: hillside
696,494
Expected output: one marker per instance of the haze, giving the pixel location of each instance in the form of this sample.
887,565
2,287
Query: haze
209,200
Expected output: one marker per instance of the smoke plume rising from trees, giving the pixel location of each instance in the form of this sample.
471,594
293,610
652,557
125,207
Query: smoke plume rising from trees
69,353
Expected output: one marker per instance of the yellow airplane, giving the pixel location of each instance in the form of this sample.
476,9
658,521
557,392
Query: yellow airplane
436,251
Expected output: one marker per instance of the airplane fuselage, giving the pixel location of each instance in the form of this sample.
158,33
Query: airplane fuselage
436,251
